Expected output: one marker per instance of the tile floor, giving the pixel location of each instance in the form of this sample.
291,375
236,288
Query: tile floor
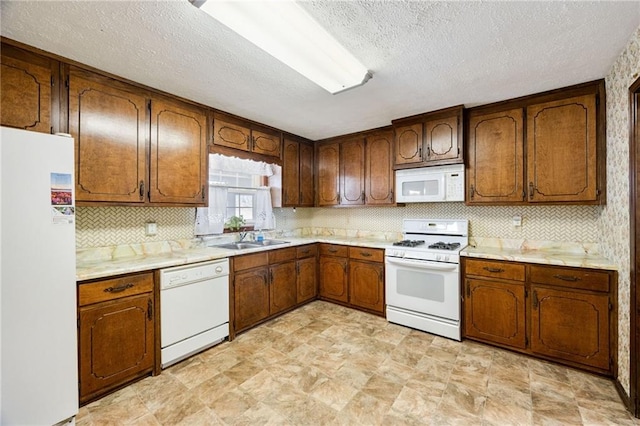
326,364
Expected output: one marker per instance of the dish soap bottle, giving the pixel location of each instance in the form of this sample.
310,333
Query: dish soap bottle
260,237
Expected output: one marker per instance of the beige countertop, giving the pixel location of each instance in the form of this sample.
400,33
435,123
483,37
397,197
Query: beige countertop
582,255
110,261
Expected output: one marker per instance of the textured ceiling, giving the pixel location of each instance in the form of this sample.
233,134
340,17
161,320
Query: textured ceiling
424,55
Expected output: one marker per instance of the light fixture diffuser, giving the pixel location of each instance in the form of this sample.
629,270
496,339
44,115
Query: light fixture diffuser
288,33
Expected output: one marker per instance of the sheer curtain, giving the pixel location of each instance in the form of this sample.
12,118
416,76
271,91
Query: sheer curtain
210,220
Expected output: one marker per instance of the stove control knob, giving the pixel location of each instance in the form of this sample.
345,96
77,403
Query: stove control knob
438,257
446,258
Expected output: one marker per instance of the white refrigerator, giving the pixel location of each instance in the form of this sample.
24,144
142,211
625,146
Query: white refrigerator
39,350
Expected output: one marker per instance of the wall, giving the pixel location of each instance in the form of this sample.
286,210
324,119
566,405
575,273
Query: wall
615,217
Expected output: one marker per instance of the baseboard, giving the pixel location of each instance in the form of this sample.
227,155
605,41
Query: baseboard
623,395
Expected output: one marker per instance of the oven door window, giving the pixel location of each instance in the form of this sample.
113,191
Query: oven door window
409,285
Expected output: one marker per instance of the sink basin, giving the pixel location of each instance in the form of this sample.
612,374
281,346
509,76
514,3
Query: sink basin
268,242
237,246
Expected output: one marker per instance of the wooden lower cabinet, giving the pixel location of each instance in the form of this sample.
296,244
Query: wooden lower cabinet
571,325
352,276
269,283
495,311
562,314
116,333
251,296
333,278
366,285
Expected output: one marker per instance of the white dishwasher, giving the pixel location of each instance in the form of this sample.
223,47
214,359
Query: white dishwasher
194,309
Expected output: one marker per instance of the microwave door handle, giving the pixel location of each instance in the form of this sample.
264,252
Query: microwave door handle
422,264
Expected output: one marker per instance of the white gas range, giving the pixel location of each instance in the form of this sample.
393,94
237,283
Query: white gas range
423,275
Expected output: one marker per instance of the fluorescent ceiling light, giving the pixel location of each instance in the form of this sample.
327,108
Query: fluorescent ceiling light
287,32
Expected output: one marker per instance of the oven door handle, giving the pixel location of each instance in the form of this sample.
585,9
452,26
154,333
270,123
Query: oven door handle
422,264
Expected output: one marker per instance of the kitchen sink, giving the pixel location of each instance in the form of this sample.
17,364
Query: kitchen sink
250,244
237,246
268,242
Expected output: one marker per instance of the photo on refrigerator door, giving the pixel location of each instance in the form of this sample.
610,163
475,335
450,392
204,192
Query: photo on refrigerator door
62,211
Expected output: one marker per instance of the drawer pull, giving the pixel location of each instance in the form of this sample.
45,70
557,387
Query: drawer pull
305,251
490,269
118,288
566,277
333,250
365,254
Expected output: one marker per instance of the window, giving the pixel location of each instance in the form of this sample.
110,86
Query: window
241,193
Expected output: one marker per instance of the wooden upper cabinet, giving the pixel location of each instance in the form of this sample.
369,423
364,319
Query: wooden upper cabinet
559,159
235,133
408,141
297,174
441,139
108,120
28,91
561,150
429,139
352,171
178,153
265,143
495,157
379,182
231,135
328,172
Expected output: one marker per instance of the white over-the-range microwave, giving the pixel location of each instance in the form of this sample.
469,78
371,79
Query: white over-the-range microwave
430,184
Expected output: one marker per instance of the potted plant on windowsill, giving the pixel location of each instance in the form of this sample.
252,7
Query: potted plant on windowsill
235,224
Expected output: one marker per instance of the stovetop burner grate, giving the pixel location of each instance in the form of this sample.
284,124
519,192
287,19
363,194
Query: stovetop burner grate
440,245
409,243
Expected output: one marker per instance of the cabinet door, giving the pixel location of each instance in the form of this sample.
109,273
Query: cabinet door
266,143
28,91
251,298
333,278
291,174
379,169
366,285
282,288
441,140
307,282
570,325
352,172
178,153
496,158
116,343
328,173
108,122
408,141
231,135
306,175
495,312
561,150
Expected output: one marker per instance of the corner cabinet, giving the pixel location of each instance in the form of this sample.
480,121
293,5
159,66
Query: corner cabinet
355,170
29,90
563,314
429,139
115,333
111,123
297,173
563,150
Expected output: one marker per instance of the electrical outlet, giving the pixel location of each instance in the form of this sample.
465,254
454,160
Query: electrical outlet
150,229
516,221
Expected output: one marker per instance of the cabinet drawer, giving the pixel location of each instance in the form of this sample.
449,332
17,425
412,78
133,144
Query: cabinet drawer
249,261
571,277
307,251
334,250
372,255
483,268
282,255
114,288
